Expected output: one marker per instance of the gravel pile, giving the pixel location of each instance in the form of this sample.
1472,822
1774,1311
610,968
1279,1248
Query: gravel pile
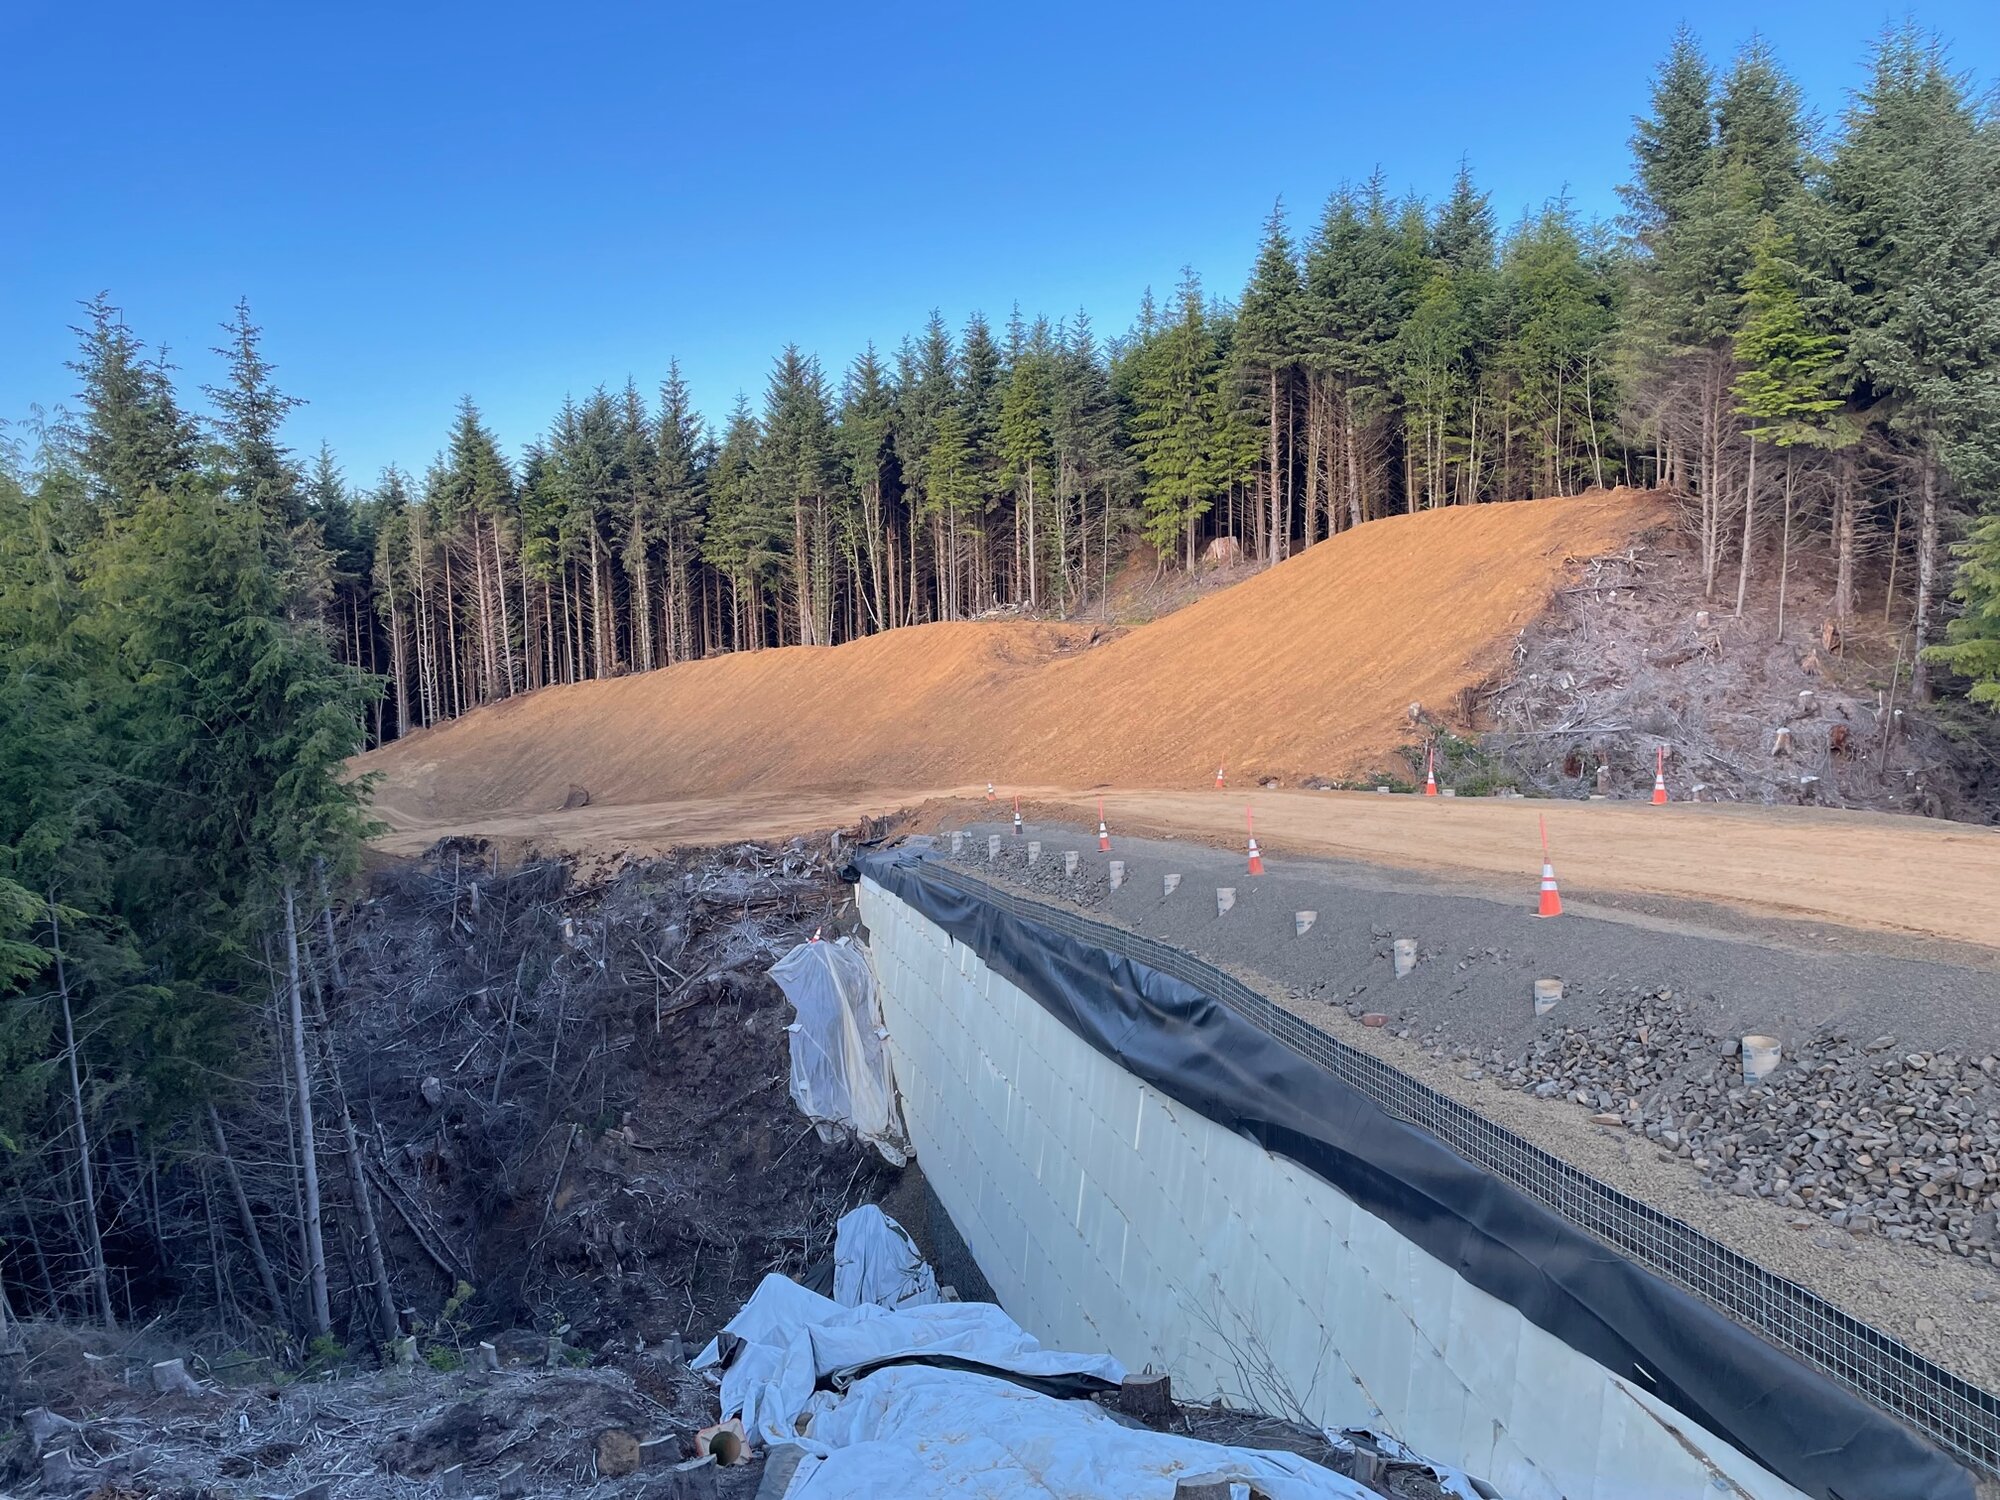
1873,1138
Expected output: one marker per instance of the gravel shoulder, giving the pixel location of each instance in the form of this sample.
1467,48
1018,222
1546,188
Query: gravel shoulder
1658,1003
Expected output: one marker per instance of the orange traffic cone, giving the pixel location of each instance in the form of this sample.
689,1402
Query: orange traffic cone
1103,833
1552,901
1430,772
1256,855
1017,817
1660,780
989,791
1218,777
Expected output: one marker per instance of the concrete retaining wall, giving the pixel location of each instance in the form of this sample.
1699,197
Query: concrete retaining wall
1109,1217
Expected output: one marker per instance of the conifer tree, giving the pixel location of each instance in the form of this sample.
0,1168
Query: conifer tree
1269,346
1026,458
133,439
1914,192
1784,379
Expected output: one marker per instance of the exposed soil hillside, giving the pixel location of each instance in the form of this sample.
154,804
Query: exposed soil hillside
1632,659
1307,669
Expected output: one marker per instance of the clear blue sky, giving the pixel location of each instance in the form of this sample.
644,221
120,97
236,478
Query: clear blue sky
423,200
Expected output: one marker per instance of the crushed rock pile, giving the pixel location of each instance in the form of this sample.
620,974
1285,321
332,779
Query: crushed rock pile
1868,1136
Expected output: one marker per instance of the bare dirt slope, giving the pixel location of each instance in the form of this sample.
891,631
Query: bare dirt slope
1307,669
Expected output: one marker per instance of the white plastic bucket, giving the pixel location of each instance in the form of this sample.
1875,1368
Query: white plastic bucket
1760,1056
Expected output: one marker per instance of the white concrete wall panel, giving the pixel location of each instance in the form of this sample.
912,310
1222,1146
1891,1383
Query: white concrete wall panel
1109,1217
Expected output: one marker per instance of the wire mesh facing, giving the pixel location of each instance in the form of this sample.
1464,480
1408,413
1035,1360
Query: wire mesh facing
1956,1415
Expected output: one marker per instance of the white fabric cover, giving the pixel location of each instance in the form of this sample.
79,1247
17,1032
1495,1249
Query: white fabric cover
924,1434
875,1260
793,1337
921,1433
840,1053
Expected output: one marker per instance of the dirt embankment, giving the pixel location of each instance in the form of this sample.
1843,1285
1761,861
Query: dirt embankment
1307,669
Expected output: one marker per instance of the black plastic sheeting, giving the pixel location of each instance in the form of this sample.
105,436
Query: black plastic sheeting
1196,1050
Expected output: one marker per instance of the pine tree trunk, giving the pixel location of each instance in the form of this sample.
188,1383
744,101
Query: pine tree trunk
801,571
1785,548
1272,545
598,613
489,659
452,658
399,664
1749,524
100,1275
1927,550
322,1312
1895,557
1710,461
1353,446
506,625
1843,537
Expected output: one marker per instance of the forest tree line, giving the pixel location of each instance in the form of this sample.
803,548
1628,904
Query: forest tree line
1798,330
1795,328
1792,327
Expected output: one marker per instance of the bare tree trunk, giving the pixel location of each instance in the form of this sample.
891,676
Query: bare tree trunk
506,625
802,571
489,658
1749,522
1785,547
100,1277
322,1312
1843,537
1927,549
1895,557
457,675
598,615
267,1277
357,1178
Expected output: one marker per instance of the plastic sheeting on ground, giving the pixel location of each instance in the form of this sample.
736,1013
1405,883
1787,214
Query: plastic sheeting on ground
840,1056
795,1341
926,1434
955,1399
875,1260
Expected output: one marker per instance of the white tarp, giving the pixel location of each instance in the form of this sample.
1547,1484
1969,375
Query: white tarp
813,1372
928,1434
840,1054
875,1260
794,1338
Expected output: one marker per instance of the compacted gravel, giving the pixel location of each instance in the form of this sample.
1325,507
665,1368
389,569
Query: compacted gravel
1866,1165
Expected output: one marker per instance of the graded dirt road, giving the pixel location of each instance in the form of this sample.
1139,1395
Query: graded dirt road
1868,870
1874,872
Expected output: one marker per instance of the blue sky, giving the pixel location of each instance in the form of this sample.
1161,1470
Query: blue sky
518,202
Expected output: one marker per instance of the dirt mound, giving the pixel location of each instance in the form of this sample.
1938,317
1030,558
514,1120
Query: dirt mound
1306,669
